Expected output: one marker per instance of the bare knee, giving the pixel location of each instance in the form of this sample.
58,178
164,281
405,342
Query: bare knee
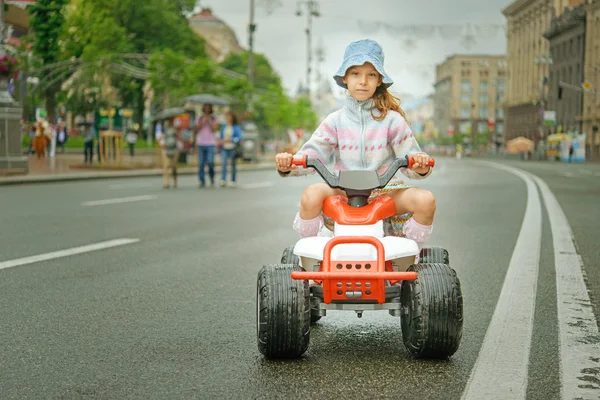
312,197
426,202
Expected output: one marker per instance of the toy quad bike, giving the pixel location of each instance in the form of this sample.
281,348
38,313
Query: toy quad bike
359,269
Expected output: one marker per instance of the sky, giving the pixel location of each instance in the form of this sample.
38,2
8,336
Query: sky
410,61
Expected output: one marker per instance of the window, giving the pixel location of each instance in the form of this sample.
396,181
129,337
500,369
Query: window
465,98
482,127
465,85
500,97
483,113
464,112
483,86
500,85
483,98
499,113
464,127
500,127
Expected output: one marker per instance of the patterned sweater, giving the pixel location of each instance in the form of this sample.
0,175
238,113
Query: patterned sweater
350,139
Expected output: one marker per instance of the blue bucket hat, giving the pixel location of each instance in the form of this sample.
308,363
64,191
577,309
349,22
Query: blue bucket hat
360,52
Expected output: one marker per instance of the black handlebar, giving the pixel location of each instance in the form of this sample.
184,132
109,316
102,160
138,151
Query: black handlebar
334,181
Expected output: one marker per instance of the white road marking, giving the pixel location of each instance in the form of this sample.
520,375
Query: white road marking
66,252
501,369
596,173
578,329
257,185
117,201
585,171
131,185
568,174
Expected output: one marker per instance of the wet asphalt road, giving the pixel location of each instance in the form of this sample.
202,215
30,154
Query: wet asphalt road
173,315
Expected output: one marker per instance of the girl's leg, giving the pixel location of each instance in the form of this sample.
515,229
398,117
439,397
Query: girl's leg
233,166
201,161
223,167
421,204
211,163
309,219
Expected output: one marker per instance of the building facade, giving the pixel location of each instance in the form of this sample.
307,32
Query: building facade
529,61
470,94
220,38
591,99
566,38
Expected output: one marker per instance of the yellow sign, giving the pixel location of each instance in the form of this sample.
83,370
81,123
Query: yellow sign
587,86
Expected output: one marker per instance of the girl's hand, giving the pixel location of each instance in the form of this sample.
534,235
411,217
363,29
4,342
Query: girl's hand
420,166
283,161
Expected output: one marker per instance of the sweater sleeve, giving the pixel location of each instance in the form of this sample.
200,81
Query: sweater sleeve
404,143
321,145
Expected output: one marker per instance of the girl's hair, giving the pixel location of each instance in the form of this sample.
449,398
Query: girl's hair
209,106
234,120
385,101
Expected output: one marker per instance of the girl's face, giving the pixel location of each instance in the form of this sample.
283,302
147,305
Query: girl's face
362,81
229,118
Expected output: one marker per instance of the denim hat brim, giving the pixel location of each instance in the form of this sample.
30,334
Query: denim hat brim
360,59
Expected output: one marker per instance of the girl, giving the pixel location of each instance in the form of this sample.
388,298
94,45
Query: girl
368,133
231,134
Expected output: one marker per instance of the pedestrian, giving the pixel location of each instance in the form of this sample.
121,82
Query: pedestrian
571,151
61,136
205,129
170,141
131,139
88,141
368,133
229,137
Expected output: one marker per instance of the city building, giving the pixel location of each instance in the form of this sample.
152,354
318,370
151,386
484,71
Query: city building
220,38
470,94
529,61
591,97
567,49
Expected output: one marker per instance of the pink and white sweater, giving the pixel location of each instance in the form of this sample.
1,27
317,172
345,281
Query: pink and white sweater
350,139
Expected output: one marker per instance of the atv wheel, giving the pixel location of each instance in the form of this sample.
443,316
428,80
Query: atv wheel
434,255
432,311
282,312
288,256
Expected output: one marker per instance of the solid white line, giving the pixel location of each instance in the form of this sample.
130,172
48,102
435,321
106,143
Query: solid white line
568,174
578,329
66,252
117,201
501,369
257,185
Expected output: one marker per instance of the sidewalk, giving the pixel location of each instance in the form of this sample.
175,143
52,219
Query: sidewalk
70,167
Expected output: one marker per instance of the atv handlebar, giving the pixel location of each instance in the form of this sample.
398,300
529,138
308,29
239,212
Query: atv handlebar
334,181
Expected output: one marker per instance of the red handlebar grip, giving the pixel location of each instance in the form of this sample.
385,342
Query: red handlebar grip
411,162
300,161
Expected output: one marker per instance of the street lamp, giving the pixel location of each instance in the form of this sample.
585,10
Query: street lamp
312,11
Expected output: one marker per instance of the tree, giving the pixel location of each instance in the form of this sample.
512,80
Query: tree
47,22
264,74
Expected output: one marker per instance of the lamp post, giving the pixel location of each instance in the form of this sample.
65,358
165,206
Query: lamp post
12,160
312,11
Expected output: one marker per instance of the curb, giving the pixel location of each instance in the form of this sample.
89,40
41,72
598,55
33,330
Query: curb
79,176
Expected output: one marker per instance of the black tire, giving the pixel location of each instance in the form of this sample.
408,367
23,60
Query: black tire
282,312
432,311
434,255
288,256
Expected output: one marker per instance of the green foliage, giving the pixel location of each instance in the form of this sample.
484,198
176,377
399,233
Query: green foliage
264,75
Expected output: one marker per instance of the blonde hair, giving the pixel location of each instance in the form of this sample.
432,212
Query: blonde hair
385,101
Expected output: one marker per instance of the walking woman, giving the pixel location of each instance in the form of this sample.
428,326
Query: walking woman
206,127
230,136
